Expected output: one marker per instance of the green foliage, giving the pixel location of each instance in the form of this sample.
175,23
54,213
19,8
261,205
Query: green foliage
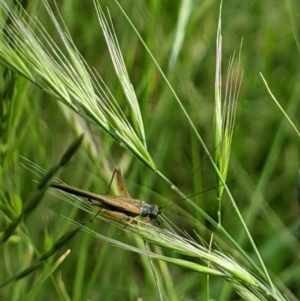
156,145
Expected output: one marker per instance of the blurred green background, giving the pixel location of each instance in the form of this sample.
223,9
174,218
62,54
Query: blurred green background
264,161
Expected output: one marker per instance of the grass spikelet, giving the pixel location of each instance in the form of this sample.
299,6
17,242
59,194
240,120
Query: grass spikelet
72,82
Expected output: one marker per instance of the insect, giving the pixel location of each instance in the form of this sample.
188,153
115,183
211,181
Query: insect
118,207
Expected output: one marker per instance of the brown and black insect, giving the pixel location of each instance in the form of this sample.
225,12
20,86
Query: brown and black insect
118,207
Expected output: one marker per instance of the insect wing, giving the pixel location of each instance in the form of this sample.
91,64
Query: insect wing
129,206
121,186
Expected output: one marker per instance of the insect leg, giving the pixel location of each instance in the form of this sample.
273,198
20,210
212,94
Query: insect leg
111,180
122,191
119,216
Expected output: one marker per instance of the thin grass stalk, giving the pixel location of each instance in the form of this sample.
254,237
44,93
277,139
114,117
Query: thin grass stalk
48,271
153,271
222,230
185,11
280,107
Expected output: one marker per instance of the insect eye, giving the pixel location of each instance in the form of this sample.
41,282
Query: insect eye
155,211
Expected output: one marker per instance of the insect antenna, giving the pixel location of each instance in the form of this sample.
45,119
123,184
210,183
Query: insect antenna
171,202
188,179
